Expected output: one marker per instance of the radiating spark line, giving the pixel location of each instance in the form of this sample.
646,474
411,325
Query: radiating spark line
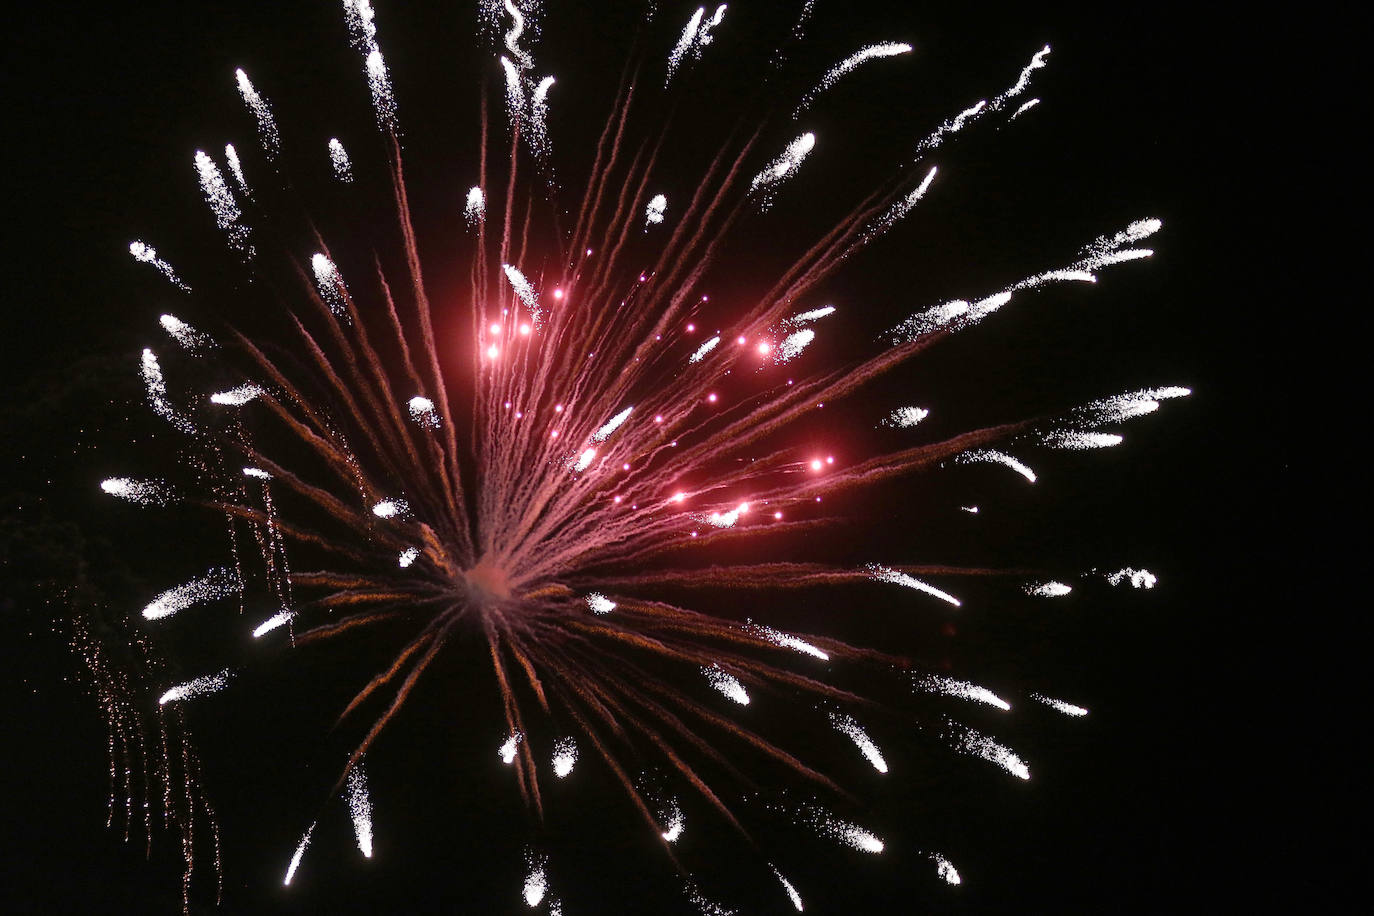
200,686
146,254
1048,589
536,882
765,183
694,39
904,417
702,350
611,425
525,292
1023,109
537,128
564,757
971,742
1129,405
237,397
964,690
792,894
277,620
892,576
330,282
808,317
792,345
1139,578
850,63
256,473
847,726
214,584
297,856
1067,709
408,556
475,208
841,831
191,340
507,750
338,158
726,684
1078,440
993,456
787,641
945,869
138,492
900,209
390,508
983,108
360,807
362,30
236,168
155,389
600,604
422,411
268,137
673,819
705,905
653,212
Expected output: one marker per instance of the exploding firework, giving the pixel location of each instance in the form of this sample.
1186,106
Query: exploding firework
597,454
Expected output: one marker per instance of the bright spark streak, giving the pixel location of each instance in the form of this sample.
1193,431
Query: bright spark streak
515,89
852,730
723,519
507,750
945,869
192,340
781,168
391,508
787,641
1127,406
792,345
564,757
280,619
694,39
267,125
146,254
155,388
726,684
1077,440
525,292
206,683
808,317
237,397
138,492
983,108
1139,578
1067,709
297,856
904,417
850,63
702,350
537,130
408,556
992,456
235,167
611,425
653,213
422,411
964,690
673,818
216,583
360,807
900,209
228,217
330,282
475,209
851,835
599,603
536,884
1023,109
338,157
257,473
1048,589
971,742
791,891
362,31
892,576
584,460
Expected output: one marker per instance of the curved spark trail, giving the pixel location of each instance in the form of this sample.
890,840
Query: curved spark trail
590,447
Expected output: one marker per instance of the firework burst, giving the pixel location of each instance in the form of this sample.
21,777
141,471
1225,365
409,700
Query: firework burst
579,487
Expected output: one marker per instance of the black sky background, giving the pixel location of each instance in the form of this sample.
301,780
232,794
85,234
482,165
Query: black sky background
1151,804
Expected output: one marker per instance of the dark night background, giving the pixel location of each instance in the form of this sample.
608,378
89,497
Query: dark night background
1166,799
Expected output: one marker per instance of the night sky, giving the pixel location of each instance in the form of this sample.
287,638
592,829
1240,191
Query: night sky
1144,806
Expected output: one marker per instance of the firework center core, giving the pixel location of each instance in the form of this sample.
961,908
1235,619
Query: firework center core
488,579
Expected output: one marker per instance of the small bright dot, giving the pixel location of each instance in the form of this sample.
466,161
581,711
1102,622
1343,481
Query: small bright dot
691,328
740,339
495,327
625,466
558,294
679,497
658,418
673,443
508,405
617,500
589,251
524,329
492,351
764,348
505,311
777,515
558,408
642,278
711,397
519,414
694,534
743,507
816,465
554,434
818,499
704,298
830,459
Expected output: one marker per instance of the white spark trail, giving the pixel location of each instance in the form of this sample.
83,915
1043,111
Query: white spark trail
537,128
904,417
726,684
599,603
231,156
611,425
792,345
808,317
206,683
969,741
850,63
330,283
564,757
338,157
983,108
851,835
256,473
268,137
276,621
1139,578
1078,440
391,508
1048,589
672,817
507,750
892,576
214,584
847,726
146,254
1067,709
408,556
1023,109
138,492
993,456
766,182
360,807
526,293
515,90
422,412
653,212
237,397
792,894
155,388
1127,406
702,350
192,340
945,869
475,209
694,39
536,883
898,210
964,690
362,31
787,641
297,856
